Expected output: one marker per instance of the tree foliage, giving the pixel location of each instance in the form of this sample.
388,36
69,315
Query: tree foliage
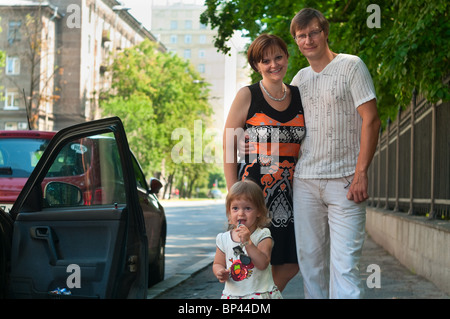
155,94
410,50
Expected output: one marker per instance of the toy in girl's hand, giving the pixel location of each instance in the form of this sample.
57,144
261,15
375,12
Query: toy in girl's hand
241,267
245,259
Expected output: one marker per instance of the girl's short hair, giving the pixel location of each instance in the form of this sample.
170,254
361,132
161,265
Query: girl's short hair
304,17
260,45
249,190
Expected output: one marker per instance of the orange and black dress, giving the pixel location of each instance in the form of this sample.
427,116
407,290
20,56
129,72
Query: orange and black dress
277,137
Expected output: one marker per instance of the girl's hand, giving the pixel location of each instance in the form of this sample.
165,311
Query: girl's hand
243,233
223,275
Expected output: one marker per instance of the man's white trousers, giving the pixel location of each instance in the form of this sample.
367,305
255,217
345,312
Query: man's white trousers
330,232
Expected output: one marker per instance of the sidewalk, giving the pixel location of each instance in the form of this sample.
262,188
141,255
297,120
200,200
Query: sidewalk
397,282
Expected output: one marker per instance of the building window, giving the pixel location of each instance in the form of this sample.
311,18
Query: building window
89,44
202,39
173,39
10,126
201,68
201,54
22,125
16,126
14,31
12,65
187,53
188,24
91,8
202,26
188,38
173,25
12,99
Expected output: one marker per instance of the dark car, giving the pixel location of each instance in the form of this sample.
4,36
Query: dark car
86,224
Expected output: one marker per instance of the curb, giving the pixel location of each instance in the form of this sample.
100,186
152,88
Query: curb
177,279
181,203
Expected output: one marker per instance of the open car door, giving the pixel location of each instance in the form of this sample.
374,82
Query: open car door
78,226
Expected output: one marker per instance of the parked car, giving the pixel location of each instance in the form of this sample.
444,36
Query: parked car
215,193
86,223
19,153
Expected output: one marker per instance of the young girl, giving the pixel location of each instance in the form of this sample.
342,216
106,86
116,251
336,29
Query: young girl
243,253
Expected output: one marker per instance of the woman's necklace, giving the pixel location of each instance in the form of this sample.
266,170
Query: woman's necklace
270,96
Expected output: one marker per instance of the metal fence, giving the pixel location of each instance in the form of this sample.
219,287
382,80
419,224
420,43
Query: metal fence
410,171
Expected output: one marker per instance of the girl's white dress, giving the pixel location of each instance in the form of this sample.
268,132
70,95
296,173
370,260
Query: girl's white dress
246,281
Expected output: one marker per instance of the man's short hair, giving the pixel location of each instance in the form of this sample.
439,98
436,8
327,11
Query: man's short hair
305,16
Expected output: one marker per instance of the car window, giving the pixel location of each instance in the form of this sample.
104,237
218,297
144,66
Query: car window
19,156
74,159
85,172
140,178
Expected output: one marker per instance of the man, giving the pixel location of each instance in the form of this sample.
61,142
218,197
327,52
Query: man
330,184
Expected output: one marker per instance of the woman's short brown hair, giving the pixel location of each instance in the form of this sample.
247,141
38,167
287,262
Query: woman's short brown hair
259,47
249,190
304,17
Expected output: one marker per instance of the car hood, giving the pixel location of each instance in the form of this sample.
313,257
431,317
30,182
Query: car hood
10,188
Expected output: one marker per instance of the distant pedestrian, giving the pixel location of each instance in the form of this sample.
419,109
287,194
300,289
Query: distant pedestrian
243,253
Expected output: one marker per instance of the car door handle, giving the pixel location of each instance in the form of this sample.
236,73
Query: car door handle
46,233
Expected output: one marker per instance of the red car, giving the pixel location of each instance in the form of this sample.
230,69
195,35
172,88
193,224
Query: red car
19,153
86,221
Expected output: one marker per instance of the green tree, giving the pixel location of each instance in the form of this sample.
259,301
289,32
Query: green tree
410,50
156,94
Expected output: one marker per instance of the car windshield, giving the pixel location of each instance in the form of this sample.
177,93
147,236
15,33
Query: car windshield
19,156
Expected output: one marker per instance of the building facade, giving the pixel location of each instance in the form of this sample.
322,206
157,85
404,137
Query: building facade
177,26
57,58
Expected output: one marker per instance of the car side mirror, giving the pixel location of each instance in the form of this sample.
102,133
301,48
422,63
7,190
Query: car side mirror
59,194
155,185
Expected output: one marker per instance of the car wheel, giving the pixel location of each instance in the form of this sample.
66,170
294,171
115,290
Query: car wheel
156,269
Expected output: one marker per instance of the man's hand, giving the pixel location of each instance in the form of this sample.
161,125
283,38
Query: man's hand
358,188
243,145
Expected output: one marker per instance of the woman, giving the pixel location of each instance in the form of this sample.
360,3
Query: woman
271,113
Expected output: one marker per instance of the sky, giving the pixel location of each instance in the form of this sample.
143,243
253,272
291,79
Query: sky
141,9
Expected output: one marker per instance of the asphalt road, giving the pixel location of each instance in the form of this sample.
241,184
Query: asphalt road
192,227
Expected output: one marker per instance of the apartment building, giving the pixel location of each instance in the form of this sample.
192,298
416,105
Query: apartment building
57,58
177,25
